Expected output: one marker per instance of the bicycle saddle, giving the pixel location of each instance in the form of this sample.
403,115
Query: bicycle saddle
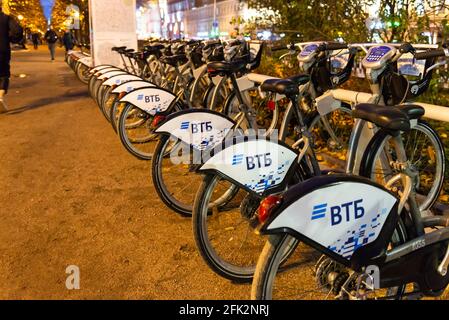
175,59
154,47
299,79
413,111
282,86
224,67
118,48
388,117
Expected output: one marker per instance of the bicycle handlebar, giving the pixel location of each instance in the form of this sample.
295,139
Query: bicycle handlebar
328,46
432,54
273,49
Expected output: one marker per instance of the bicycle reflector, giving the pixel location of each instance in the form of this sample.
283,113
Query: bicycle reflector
266,207
271,105
121,95
212,72
156,120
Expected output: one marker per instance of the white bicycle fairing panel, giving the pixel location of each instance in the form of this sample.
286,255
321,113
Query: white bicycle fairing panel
151,100
256,164
117,80
87,61
341,217
111,74
201,130
132,85
105,70
98,68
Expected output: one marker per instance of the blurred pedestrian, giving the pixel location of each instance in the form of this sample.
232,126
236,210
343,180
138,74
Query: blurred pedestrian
51,37
68,40
35,37
10,31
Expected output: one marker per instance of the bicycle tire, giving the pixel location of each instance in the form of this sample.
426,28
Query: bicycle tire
377,145
269,263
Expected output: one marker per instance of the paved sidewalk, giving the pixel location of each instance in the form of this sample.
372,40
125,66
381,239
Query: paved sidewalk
70,194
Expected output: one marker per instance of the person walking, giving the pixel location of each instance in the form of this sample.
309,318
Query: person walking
10,31
51,37
68,40
35,37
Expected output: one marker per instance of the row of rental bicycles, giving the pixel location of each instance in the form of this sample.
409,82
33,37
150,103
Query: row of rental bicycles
241,153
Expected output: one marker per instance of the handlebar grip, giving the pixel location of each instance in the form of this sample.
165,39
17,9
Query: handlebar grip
430,54
333,46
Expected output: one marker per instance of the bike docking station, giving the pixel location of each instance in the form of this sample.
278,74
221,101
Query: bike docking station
378,55
352,217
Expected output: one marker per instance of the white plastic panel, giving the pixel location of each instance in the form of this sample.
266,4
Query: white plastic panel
119,79
256,164
132,85
151,100
341,217
202,130
110,74
98,68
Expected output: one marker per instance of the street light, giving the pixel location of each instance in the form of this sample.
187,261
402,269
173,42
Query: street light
20,17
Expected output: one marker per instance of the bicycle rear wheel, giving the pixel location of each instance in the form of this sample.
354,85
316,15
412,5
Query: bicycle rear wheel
135,132
108,100
221,228
173,176
306,273
82,72
223,234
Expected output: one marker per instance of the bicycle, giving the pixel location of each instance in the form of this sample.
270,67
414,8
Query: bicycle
202,214
382,229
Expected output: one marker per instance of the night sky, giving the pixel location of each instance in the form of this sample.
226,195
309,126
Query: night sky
47,5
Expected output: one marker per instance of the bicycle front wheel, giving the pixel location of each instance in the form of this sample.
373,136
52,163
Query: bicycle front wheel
330,133
424,152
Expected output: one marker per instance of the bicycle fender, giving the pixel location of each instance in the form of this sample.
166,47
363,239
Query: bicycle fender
132,85
200,128
150,100
119,79
105,70
257,164
101,67
87,61
110,74
346,217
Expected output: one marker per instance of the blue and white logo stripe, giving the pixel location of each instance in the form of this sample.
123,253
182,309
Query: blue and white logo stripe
237,159
140,97
319,211
185,125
